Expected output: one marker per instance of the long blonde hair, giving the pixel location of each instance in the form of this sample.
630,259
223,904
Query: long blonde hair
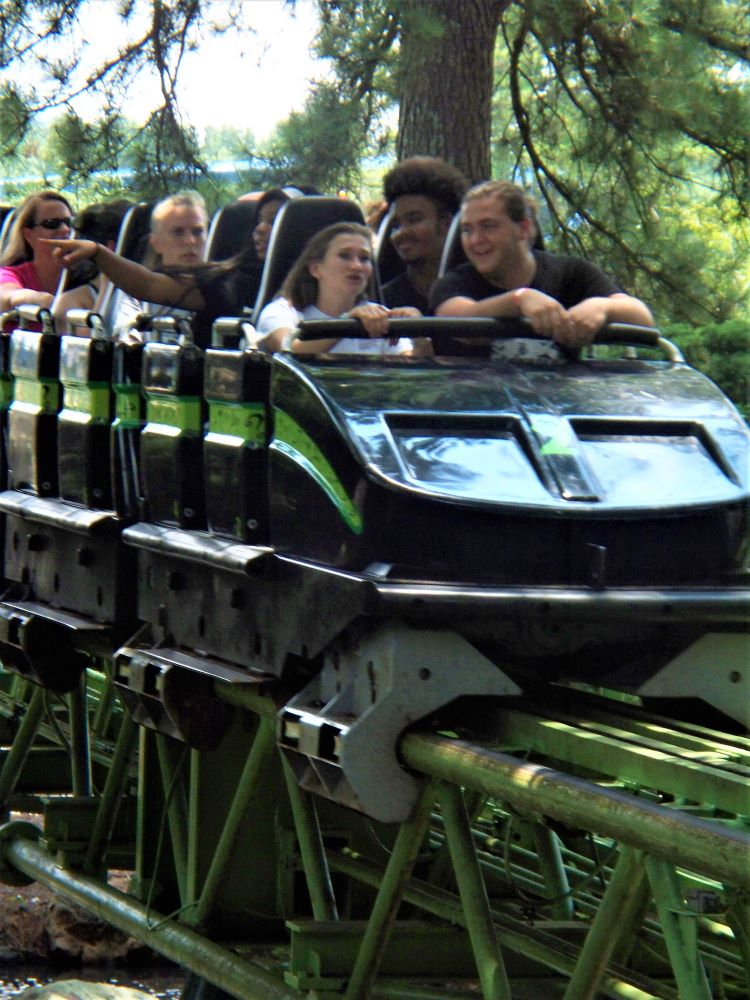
18,250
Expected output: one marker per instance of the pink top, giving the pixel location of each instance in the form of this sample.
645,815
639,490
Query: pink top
22,276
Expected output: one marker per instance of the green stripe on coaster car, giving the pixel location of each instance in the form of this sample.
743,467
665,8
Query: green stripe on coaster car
127,405
43,393
182,412
296,444
242,420
92,398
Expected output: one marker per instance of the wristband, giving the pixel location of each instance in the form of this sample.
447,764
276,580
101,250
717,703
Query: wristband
517,293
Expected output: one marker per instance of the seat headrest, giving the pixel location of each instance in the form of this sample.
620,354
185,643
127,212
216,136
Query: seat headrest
388,262
453,252
132,240
298,220
231,229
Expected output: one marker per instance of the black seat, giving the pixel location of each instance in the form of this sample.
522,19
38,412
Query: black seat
453,252
133,244
230,230
389,264
298,220
8,214
32,418
171,440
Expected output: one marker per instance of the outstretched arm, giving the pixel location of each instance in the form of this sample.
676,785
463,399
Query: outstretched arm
12,295
136,280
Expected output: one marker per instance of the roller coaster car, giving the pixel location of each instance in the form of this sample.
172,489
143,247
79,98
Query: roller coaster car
578,521
69,579
584,473
376,538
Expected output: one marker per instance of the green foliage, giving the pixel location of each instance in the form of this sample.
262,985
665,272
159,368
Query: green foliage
632,122
227,143
164,156
15,118
721,351
629,119
321,145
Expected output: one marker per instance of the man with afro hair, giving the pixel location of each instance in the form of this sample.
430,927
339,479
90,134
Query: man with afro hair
423,194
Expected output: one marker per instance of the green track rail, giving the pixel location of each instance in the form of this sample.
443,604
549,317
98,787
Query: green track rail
577,847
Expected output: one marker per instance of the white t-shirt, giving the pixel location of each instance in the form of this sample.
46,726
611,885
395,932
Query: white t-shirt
281,314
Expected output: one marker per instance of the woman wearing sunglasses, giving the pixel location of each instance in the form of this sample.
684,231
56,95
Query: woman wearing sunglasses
29,272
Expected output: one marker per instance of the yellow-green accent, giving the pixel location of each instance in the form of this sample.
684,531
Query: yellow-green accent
246,421
127,406
557,446
6,392
558,434
42,393
182,412
91,398
293,441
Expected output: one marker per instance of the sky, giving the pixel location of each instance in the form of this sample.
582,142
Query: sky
257,87
250,81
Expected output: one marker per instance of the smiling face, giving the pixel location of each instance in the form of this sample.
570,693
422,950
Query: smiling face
492,241
418,229
345,269
180,236
57,225
263,227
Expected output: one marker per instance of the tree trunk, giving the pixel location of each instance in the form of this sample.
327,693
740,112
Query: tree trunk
447,49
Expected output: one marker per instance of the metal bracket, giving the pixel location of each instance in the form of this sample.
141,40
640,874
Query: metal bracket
714,669
47,646
341,731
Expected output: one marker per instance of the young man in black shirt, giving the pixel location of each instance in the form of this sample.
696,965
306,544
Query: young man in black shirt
423,193
566,299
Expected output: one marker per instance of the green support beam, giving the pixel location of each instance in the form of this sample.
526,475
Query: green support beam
111,797
613,919
309,837
226,969
172,757
680,931
264,744
398,870
537,791
476,905
22,744
80,753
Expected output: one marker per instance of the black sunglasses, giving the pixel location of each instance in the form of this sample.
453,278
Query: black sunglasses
53,223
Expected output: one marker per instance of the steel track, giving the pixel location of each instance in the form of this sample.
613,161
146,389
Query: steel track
580,844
